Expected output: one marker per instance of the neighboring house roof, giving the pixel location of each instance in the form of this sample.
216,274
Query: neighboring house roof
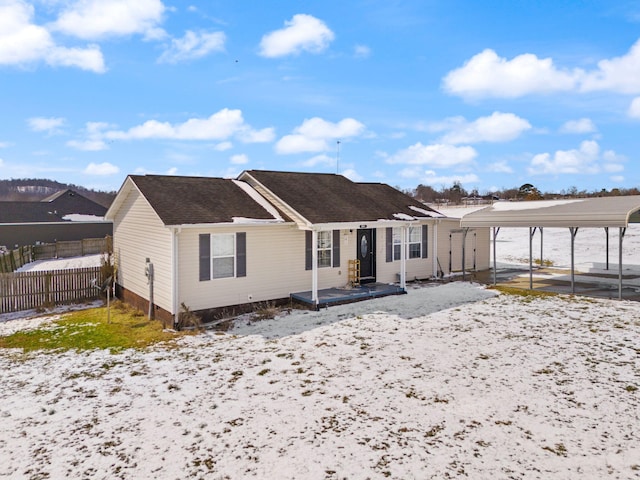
202,200
27,212
583,212
54,208
329,198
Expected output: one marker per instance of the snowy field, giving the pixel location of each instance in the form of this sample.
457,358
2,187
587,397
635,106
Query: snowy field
448,381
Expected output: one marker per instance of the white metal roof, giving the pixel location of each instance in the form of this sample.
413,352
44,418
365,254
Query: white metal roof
582,212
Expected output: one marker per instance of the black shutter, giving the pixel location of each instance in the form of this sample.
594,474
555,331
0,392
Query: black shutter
425,241
389,244
205,256
308,257
336,248
241,254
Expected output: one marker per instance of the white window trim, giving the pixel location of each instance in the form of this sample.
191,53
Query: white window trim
330,248
397,241
214,257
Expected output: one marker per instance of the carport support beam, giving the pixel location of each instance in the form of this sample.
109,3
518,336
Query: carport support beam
606,231
574,231
623,230
464,250
532,232
496,230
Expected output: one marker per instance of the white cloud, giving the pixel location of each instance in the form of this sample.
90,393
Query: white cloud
430,177
500,167
352,175
436,155
619,74
249,135
240,159
105,168
22,42
172,171
634,108
315,133
498,127
319,160
193,46
87,145
4,144
617,178
361,51
97,19
93,142
488,75
222,146
301,33
582,125
584,160
219,126
46,124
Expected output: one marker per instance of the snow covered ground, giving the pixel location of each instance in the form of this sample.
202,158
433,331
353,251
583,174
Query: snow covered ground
448,381
62,263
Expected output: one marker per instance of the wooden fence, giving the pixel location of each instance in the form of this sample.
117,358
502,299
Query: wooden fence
71,248
28,290
12,260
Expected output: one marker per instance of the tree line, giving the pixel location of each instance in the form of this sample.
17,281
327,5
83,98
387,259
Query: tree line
456,194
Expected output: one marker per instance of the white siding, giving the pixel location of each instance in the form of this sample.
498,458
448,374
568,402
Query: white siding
450,247
417,268
275,267
138,234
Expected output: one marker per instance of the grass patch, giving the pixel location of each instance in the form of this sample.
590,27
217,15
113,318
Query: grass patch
89,330
521,292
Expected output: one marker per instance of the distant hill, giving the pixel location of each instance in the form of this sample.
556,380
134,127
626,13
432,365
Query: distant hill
35,189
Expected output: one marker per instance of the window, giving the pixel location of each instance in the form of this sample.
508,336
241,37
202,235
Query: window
324,249
328,249
223,255
415,242
414,245
397,243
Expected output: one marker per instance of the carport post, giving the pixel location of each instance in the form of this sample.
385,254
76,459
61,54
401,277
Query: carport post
495,234
574,231
541,246
532,232
464,249
606,231
623,230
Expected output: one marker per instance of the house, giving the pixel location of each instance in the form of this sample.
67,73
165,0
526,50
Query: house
65,215
211,243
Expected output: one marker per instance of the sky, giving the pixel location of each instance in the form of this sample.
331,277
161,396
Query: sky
490,94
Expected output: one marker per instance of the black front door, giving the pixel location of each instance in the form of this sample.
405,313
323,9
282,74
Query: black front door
367,254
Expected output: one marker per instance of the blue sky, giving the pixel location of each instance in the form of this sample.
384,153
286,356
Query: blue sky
492,94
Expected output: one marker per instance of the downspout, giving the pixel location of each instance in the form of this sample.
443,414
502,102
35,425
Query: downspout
175,284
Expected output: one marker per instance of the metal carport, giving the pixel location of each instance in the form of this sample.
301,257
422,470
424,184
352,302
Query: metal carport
601,212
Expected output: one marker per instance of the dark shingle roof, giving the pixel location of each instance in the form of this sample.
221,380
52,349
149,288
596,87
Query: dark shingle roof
195,200
28,212
50,209
329,198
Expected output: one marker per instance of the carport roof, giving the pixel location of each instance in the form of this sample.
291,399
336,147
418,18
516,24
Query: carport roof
581,212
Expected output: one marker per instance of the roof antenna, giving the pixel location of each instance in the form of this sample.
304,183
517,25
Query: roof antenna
338,157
